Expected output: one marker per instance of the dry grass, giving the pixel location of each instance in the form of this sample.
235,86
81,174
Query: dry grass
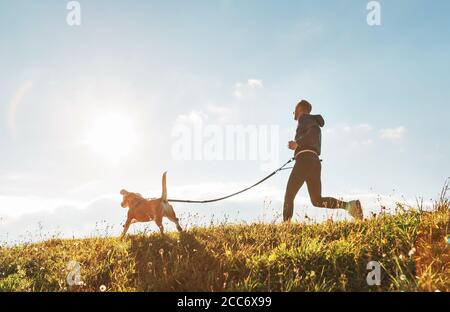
412,248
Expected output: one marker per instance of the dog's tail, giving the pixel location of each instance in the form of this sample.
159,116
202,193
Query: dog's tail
164,187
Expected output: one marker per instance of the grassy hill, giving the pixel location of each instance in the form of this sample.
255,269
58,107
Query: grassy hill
412,248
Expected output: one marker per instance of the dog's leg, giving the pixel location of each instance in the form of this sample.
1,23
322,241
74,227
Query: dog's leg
125,227
172,217
179,228
158,221
176,221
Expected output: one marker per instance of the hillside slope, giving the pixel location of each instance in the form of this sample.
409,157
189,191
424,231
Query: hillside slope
412,248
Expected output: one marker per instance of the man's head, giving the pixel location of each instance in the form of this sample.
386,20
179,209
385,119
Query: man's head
302,107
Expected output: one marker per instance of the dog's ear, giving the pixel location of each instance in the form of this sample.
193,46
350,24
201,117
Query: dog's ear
123,192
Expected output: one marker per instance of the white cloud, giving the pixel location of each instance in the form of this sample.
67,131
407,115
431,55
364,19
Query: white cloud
357,128
255,83
194,117
242,90
14,207
358,134
349,128
392,133
218,109
364,133
62,219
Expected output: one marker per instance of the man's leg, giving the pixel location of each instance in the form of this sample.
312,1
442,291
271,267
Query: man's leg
315,193
314,184
295,182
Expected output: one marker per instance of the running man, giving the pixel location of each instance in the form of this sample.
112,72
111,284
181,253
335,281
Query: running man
307,166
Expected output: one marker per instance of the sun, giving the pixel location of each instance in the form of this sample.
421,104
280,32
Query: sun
111,137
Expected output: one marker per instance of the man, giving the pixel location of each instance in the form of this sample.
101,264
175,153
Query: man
307,166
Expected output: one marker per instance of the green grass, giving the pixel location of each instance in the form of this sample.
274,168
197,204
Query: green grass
411,247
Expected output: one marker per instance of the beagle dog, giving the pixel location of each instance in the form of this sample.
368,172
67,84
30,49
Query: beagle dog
141,209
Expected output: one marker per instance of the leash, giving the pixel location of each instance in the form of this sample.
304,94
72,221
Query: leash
244,190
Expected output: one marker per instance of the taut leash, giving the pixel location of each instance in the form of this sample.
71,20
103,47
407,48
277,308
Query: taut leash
241,191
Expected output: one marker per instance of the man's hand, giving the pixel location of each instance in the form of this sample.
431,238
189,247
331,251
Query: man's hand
292,145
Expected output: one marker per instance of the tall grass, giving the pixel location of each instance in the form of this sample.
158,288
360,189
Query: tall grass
411,247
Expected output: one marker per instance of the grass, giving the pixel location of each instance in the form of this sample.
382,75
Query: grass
411,247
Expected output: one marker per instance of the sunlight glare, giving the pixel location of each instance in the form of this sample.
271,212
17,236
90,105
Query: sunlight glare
112,136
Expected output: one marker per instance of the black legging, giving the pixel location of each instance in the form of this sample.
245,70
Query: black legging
307,169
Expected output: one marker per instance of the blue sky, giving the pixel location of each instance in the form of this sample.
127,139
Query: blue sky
149,66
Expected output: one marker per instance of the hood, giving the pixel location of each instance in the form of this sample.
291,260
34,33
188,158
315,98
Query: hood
310,120
319,120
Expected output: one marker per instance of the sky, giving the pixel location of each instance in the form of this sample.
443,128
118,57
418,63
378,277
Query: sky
112,103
